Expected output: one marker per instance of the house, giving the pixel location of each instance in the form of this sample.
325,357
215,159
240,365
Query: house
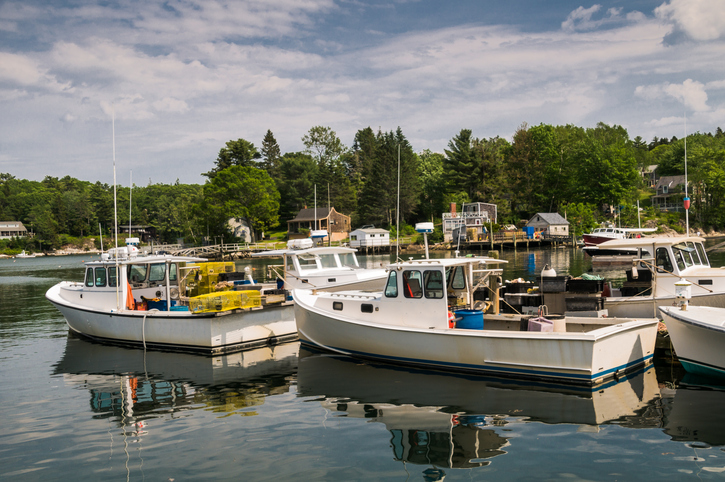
649,175
145,233
240,229
12,229
366,237
670,194
472,216
336,224
549,224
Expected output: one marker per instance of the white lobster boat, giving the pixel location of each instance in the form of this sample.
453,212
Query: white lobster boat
104,307
330,268
698,335
660,264
410,323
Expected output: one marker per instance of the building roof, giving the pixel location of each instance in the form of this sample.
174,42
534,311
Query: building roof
12,226
371,231
310,214
671,181
550,218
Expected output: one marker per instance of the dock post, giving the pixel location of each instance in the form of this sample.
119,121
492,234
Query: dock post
494,287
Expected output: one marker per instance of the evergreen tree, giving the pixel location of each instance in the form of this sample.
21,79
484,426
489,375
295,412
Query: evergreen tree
270,154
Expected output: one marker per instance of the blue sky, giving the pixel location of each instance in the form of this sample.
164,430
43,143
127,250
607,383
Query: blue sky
182,77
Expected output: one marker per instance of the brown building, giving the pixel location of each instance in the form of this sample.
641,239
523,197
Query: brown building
336,224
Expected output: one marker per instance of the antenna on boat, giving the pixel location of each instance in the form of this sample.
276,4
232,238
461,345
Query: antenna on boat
100,231
329,237
687,197
130,203
397,214
115,205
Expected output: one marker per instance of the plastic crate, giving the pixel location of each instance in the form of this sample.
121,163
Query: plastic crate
553,284
225,301
585,285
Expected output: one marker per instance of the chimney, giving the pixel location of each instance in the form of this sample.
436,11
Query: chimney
453,208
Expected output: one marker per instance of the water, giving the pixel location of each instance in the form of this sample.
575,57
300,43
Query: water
74,410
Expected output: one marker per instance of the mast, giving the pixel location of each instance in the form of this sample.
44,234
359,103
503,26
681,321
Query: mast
130,203
115,208
397,214
687,197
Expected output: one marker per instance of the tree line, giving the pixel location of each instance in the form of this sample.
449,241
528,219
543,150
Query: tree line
567,169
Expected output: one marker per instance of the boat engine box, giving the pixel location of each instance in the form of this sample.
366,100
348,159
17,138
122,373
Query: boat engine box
540,324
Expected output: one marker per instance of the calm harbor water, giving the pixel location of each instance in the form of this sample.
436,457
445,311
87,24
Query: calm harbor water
71,409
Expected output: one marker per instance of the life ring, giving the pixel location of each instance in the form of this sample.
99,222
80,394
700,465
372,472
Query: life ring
451,320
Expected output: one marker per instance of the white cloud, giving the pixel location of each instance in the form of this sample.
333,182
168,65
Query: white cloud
691,92
698,19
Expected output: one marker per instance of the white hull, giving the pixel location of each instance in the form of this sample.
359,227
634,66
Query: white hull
584,358
647,306
698,336
210,333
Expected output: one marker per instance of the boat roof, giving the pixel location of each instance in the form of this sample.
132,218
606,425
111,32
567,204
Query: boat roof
151,259
650,241
308,251
446,262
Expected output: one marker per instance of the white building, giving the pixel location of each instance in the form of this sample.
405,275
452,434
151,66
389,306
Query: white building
12,229
365,237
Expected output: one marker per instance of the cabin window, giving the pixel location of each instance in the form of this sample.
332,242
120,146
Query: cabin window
433,284
89,277
695,253
137,273
412,284
172,272
349,260
307,263
456,278
678,259
366,308
703,255
664,263
337,305
112,277
391,289
157,272
328,261
100,277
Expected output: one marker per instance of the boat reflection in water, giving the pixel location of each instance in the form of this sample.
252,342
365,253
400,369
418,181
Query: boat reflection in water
456,421
132,384
693,412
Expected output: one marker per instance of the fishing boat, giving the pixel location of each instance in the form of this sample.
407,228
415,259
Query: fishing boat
23,254
430,314
661,263
330,268
593,240
698,335
170,303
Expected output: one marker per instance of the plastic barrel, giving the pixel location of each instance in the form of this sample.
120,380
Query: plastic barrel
469,319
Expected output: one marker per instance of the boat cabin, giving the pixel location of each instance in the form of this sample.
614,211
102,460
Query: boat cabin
662,262
423,291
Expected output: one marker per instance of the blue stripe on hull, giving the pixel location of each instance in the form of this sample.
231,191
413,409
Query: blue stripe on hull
521,372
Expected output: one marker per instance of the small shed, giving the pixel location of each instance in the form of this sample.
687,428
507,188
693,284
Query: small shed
366,237
549,224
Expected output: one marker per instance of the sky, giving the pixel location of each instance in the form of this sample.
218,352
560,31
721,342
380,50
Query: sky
161,86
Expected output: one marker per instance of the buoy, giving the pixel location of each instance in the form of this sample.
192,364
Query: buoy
451,320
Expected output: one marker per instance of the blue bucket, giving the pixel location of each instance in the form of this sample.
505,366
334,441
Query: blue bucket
469,319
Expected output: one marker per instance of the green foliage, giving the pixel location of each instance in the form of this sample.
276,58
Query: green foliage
236,153
243,193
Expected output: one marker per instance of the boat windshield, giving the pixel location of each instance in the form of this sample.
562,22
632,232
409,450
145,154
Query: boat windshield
703,255
328,261
349,260
307,262
456,278
391,289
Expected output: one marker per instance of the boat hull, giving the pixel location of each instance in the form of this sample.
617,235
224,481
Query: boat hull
697,336
579,358
646,306
210,333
